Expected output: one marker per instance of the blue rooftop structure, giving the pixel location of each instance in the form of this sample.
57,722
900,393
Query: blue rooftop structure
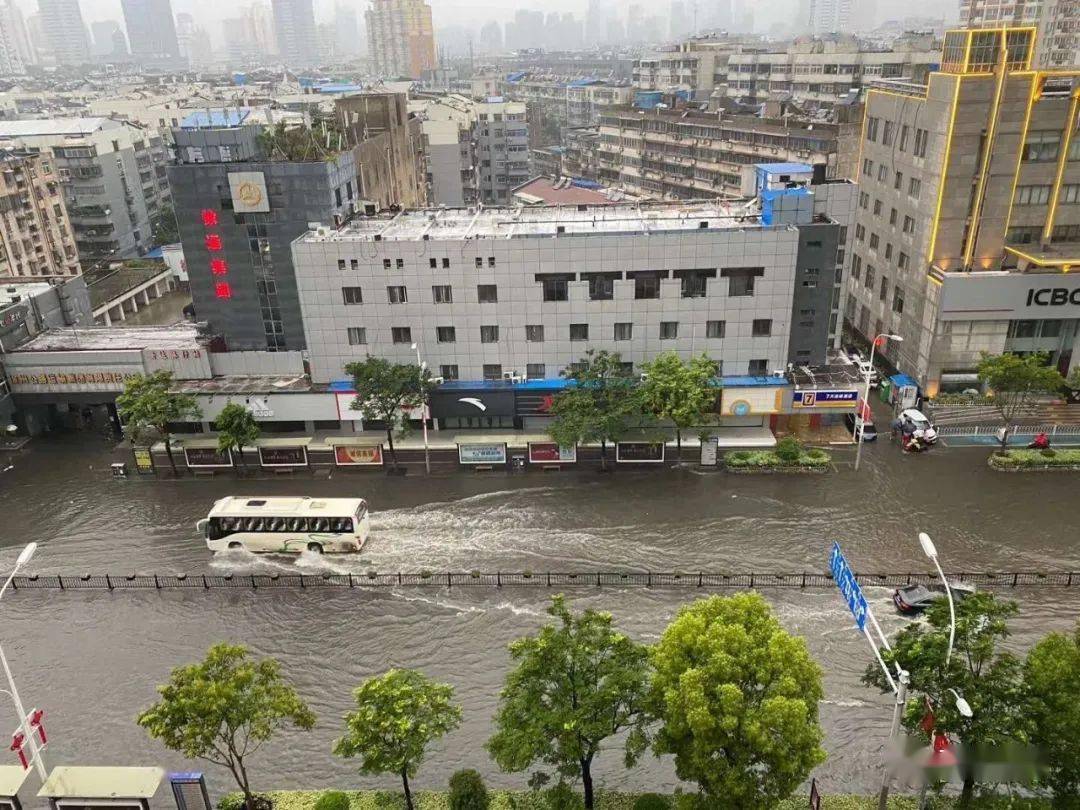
339,88
559,383
516,77
586,82
785,168
214,119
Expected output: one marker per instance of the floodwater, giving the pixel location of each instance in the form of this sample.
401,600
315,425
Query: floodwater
92,659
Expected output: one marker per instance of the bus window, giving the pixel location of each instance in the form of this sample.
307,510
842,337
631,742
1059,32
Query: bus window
322,525
296,525
277,524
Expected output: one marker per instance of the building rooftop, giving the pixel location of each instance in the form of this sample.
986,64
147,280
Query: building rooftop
109,283
263,384
53,126
70,782
13,292
513,223
115,338
559,191
216,119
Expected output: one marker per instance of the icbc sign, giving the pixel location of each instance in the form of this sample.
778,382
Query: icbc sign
1053,297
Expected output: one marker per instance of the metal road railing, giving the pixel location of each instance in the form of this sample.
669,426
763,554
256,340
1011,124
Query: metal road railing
991,430
524,579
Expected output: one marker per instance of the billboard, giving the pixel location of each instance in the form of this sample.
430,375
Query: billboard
640,452
482,453
358,455
1000,296
283,456
551,453
201,457
825,399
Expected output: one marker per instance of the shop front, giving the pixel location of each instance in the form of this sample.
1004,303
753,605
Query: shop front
473,406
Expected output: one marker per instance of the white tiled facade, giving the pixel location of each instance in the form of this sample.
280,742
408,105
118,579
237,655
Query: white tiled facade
511,261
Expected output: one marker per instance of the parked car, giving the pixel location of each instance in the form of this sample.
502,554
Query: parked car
913,599
869,431
921,423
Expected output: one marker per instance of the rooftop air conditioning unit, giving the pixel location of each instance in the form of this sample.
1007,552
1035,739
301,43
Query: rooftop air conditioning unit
322,230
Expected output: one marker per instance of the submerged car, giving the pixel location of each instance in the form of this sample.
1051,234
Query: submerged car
912,599
921,423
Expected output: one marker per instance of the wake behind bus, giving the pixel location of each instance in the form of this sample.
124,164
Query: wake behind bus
286,525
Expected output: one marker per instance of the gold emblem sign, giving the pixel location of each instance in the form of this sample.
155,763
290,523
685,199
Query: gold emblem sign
250,194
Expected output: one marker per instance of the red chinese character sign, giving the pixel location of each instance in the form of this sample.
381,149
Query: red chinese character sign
209,217
219,267
223,290
213,242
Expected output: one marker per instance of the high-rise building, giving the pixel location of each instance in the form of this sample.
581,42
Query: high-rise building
830,16
346,31
250,37
193,40
11,59
297,39
151,30
491,37
401,40
34,224
1058,22
101,31
968,223
64,31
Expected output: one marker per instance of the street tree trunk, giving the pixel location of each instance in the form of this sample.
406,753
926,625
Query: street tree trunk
586,782
603,454
393,461
168,452
678,442
408,793
968,791
240,457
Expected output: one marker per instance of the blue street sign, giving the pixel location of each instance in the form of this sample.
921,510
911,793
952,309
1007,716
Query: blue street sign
849,586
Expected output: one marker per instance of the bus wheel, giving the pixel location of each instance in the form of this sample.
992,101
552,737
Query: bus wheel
314,547
236,545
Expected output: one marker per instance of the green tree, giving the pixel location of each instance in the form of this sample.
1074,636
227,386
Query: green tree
679,392
1015,381
737,698
223,709
467,791
991,682
1052,677
236,427
1073,380
148,402
397,714
387,392
164,227
602,405
576,683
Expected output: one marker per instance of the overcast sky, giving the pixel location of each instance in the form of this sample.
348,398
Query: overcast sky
447,12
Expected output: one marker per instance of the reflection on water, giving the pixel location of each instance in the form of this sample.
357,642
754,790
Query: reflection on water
92,659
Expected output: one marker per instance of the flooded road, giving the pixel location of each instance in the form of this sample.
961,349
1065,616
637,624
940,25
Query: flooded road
92,659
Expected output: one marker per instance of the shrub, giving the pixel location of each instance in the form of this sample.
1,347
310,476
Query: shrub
467,791
652,801
740,455
817,454
332,800
563,797
788,449
231,801
1046,451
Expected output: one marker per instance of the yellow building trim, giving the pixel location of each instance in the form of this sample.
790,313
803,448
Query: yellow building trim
904,96
1063,161
1066,263
1033,96
935,280
943,174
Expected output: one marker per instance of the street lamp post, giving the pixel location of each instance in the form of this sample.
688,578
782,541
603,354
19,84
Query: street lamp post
421,368
859,420
931,551
24,723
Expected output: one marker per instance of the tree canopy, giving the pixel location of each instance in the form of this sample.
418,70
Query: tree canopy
386,392
1015,381
1052,677
236,427
680,392
147,401
223,709
575,684
737,698
397,715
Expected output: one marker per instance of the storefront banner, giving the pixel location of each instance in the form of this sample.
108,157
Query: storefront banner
640,452
551,453
358,455
283,456
144,462
50,380
825,399
207,457
482,453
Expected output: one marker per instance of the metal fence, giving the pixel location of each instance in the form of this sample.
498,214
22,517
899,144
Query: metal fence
524,579
991,430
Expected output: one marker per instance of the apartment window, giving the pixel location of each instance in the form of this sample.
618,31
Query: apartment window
898,300
869,280
761,327
856,267
921,136
354,265
487,293
646,285
757,367
446,334
352,295
397,295
448,373
601,285
534,333
883,293
868,167
491,261
669,330
905,131
882,173
433,263
624,331
909,225
535,371
1065,233
877,208
386,264
715,329
341,265
872,128
864,200
898,180
1070,194
914,187
579,331
1042,146
893,216
442,294
902,261
888,250
554,287
887,134
741,279
445,263
401,334
1032,195
1074,147
399,263
489,334
492,372
874,241
479,262
357,335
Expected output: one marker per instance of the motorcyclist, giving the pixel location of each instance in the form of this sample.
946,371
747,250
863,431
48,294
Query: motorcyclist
1042,442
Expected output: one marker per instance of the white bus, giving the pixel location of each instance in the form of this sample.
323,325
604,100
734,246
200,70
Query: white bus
286,525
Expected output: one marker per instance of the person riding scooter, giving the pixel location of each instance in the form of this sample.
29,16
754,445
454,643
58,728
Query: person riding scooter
1042,442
